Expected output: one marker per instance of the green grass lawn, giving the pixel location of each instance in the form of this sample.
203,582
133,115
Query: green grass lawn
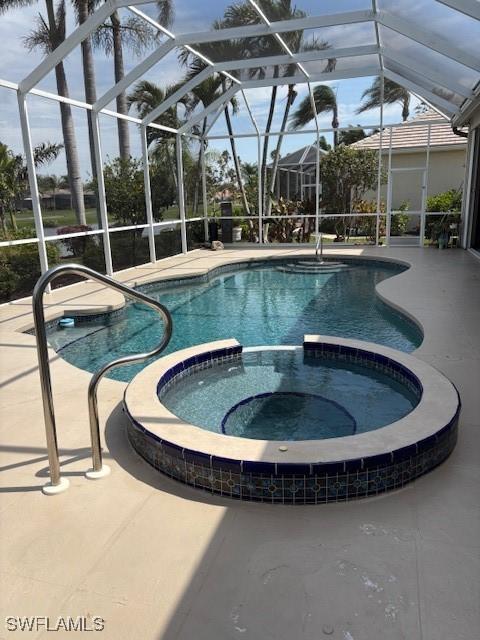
58,218
66,217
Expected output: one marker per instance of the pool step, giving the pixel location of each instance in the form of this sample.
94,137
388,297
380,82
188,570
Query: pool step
313,267
317,264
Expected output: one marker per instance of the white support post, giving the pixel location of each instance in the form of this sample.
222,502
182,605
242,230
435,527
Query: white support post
148,195
102,199
379,175
317,163
425,188
181,193
32,181
389,191
204,188
288,184
260,189
259,168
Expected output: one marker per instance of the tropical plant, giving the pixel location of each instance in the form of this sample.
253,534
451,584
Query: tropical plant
450,200
14,177
349,136
144,98
347,174
124,191
288,225
368,223
399,221
47,36
392,93
20,265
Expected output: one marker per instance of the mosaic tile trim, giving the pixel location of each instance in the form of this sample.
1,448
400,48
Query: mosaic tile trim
196,363
277,483
290,483
369,359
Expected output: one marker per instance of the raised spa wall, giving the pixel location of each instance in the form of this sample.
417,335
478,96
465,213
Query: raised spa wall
294,482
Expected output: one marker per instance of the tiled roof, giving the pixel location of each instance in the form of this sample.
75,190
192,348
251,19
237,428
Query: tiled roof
407,137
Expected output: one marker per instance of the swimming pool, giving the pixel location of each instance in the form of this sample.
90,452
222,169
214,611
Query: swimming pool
255,303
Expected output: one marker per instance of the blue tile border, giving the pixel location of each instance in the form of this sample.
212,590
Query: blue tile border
295,483
201,361
376,361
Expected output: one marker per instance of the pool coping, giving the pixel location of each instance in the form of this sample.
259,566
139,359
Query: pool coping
438,408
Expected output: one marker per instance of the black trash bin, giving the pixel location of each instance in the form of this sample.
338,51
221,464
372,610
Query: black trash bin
227,225
212,230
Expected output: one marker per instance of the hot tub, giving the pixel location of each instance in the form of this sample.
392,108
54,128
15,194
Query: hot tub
331,420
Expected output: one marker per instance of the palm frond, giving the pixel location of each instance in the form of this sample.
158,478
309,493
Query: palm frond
136,34
46,152
46,37
8,5
325,101
166,12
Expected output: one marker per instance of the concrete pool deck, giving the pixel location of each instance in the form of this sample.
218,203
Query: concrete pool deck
159,560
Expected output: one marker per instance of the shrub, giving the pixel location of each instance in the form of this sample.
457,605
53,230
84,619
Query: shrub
450,200
20,266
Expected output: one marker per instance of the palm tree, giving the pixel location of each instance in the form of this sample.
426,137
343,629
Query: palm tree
83,8
47,36
325,102
145,97
217,51
112,37
137,35
204,93
239,14
392,92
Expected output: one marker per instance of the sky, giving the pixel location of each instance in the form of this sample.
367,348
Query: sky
191,16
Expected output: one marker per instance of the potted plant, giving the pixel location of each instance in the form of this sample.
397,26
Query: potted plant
442,229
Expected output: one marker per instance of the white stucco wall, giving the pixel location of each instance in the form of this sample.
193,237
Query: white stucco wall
446,171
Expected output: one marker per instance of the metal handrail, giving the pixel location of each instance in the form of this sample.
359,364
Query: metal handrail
57,483
318,245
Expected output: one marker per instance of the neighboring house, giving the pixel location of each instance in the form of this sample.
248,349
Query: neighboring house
62,199
446,165
296,173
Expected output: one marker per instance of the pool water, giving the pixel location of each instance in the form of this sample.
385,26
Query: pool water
284,395
257,306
